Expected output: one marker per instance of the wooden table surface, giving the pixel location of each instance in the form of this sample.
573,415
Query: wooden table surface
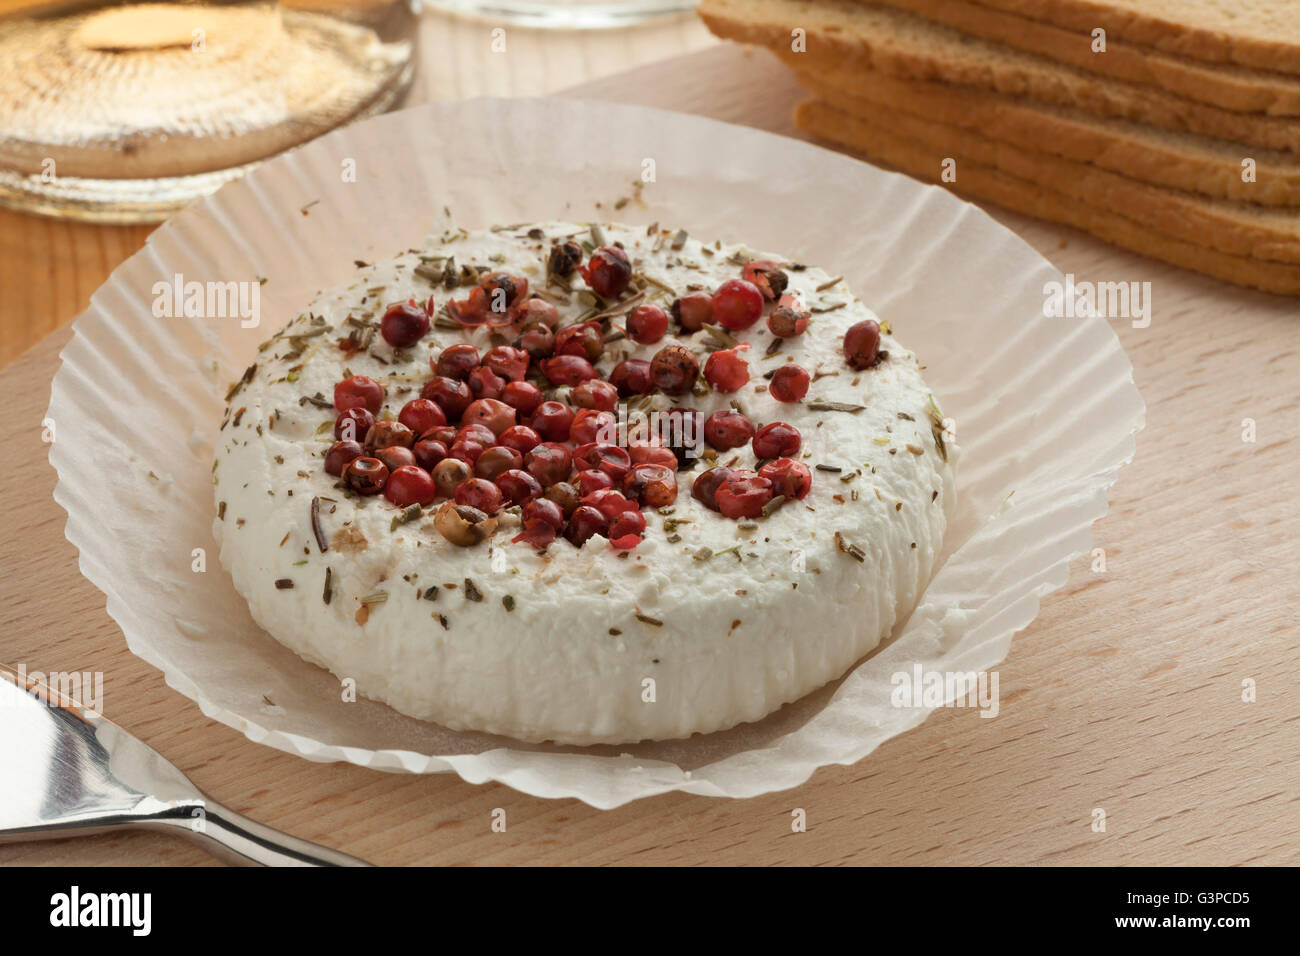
1125,695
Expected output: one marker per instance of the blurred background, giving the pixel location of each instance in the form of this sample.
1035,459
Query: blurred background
120,114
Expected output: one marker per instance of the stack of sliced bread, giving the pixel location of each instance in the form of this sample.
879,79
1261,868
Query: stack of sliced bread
1169,127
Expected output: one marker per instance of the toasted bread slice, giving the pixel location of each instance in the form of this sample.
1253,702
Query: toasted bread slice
1212,167
1241,229
876,140
1264,34
1228,86
847,33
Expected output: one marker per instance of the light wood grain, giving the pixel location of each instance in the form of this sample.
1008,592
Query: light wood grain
1124,695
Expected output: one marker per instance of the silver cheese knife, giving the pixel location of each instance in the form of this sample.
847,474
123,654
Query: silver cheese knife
66,771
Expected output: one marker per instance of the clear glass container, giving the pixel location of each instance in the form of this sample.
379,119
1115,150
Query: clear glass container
125,112
566,14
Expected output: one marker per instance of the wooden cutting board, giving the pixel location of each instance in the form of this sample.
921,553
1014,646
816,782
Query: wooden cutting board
1124,696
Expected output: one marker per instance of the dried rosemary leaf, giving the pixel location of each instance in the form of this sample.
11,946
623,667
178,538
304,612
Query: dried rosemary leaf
430,272
299,339
721,338
852,550
316,528
820,405
663,287
618,308
243,380
936,428
409,513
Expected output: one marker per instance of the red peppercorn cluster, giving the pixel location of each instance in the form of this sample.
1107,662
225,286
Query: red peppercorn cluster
494,452
482,434
740,493
736,305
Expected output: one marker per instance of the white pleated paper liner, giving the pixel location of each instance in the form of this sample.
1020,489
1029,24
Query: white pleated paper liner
1046,411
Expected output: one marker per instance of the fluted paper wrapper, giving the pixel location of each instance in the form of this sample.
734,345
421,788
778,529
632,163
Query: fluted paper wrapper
1045,410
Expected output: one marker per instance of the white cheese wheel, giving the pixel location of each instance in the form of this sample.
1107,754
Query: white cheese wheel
708,623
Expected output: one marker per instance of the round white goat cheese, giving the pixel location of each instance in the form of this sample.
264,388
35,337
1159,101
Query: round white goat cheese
708,623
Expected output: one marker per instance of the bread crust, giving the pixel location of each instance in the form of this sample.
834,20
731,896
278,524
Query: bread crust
1191,28
848,33
1189,162
1230,227
1225,85
978,181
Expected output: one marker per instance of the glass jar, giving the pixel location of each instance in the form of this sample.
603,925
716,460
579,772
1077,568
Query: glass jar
125,112
566,14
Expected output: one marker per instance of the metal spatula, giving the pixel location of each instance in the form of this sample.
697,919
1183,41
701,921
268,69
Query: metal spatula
65,771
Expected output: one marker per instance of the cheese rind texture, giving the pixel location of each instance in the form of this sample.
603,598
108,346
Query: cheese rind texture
721,626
